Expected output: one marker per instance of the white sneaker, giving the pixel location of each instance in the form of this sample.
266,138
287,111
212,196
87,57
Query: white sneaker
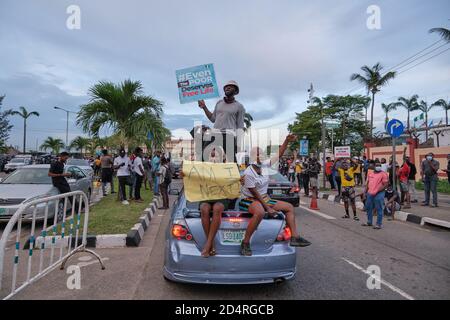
125,202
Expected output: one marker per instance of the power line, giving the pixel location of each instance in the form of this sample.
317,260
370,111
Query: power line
398,64
359,87
438,54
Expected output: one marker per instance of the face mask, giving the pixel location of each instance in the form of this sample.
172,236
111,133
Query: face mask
377,169
429,158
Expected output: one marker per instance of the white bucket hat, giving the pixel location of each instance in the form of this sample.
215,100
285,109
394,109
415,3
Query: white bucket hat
232,83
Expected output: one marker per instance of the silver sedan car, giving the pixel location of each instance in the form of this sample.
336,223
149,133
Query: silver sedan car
32,182
273,260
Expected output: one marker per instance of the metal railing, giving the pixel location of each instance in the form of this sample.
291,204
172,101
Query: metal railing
29,212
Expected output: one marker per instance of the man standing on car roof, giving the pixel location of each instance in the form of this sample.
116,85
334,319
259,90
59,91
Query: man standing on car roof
228,118
56,171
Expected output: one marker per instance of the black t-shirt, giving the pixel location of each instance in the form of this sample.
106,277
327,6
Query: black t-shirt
58,168
412,172
389,194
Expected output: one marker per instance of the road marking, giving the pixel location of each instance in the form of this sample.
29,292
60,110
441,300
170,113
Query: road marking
323,215
387,284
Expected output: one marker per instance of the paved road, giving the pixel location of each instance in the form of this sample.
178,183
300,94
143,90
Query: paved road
414,263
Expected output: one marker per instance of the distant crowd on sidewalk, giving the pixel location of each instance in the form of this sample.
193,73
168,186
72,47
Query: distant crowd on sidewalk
377,177
134,170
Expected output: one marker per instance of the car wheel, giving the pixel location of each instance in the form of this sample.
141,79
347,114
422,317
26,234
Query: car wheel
89,195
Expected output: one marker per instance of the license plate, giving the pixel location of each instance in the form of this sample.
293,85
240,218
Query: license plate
233,236
3,211
277,192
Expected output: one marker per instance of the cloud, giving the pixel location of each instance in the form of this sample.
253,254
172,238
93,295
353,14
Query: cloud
274,51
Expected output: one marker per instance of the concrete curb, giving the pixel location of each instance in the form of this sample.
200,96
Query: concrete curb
399,215
136,233
131,239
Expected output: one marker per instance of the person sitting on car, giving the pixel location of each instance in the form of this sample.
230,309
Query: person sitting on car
257,202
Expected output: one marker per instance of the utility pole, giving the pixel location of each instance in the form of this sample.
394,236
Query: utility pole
67,124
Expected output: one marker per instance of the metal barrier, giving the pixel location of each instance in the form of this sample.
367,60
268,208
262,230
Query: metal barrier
41,206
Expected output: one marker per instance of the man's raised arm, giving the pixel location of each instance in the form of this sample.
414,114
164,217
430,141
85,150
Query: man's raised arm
211,116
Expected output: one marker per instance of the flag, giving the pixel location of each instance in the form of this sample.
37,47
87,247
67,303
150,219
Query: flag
421,116
431,123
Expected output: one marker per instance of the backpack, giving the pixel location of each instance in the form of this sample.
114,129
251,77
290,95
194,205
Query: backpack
167,177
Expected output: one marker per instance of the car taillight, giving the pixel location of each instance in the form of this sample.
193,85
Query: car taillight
294,190
285,234
181,232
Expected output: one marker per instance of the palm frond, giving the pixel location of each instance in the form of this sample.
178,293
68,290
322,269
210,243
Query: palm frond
443,32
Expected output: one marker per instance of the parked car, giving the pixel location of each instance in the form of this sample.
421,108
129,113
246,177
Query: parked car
32,182
280,188
83,164
15,163
273,260
175,167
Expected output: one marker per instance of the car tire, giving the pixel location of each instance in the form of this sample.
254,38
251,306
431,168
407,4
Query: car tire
89,195
167,279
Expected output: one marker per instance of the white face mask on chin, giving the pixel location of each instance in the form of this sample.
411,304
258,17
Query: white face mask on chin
377,169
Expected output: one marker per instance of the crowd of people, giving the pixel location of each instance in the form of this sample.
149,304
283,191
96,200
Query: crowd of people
131,169
377,177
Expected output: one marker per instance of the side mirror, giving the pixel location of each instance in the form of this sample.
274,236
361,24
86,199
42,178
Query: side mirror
174,192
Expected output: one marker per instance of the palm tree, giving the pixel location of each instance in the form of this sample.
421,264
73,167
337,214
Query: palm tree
122,107
25,115
388,108
247,121
247,125
373,80
423,107
445,105
444,32
54,144
409,104
80,143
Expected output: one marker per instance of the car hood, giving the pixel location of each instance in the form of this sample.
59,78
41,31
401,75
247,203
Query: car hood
19,164
25,191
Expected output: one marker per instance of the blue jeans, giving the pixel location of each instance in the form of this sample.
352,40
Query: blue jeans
155,184
430,185
375,202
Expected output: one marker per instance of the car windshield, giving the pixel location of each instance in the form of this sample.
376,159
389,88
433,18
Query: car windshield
78,162
17,160
28,176
278,178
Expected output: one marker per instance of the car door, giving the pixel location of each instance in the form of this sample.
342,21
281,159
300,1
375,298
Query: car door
78,180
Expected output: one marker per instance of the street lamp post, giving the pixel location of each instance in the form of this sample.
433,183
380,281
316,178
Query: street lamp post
67,124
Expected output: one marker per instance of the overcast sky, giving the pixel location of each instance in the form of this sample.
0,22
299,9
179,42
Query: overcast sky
273,49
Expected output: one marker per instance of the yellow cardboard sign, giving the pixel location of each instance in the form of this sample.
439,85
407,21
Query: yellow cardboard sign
210,181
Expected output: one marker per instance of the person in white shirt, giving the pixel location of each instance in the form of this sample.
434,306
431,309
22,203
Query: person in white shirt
122,165
138,169
257,202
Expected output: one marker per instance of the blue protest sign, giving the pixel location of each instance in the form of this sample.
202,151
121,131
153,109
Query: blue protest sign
197,83
395,128
304,148
149,136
